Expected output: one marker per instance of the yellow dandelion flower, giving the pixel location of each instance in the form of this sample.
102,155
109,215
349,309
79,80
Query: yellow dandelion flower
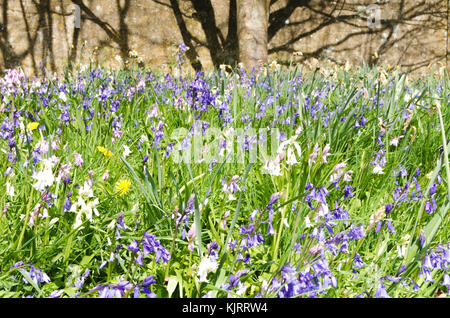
123,186
104,151
32,126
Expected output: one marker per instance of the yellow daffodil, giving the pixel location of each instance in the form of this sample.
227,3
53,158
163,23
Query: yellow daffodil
104,151
32,126
123,186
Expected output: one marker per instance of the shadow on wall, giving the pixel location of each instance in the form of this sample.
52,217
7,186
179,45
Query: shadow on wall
43,34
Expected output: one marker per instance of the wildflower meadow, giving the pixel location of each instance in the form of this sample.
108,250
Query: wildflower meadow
276,183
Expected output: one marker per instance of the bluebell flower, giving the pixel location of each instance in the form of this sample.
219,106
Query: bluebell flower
430,206
356,232
347,191
381,292
358,261
56,294
401,270
422,238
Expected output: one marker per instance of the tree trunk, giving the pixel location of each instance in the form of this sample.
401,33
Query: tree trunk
252,20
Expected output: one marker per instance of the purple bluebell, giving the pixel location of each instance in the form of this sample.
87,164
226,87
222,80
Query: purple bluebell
381,292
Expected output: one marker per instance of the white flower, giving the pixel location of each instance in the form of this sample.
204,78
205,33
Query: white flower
206,266
85,209
325,153
241,289
64,172
133,53
308,223
291,144
348,176
312,157
291,158
378,170
231,187
36,84
377,216
35,215
401,248
141,84
395,140
62,96
44,146
9,189
272,167
86,190
322,211
53,161
111,225
153,113
53,221
127,151
44,179
337,172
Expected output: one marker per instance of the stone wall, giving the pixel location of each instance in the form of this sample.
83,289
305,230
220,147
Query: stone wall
36,33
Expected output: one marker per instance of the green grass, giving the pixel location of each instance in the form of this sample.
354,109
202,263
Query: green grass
163,188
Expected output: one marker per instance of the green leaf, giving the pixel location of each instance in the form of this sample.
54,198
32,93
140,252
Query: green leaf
29,280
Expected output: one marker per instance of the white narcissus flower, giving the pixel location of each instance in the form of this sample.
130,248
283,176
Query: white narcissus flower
133,53
206,266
